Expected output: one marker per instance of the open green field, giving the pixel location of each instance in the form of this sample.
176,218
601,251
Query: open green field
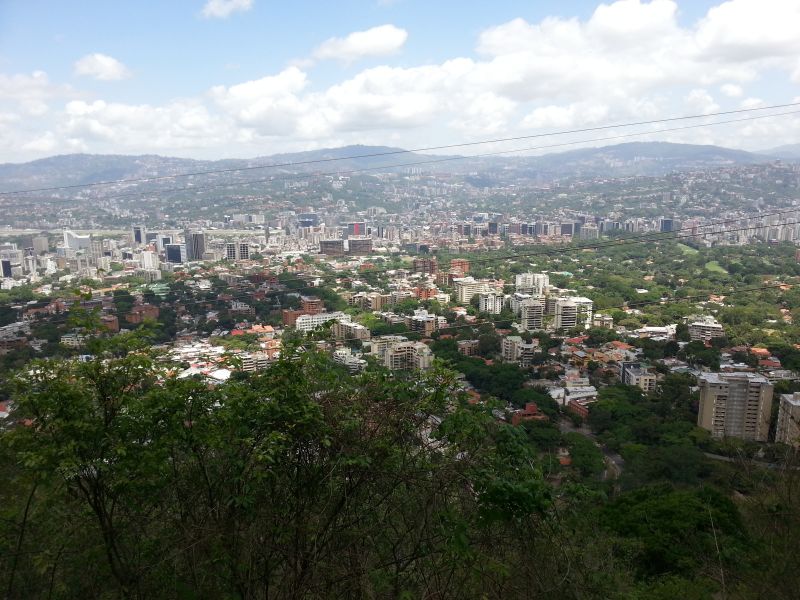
715,267
687,250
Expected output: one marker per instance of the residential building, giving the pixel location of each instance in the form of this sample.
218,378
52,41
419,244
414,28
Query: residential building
492,303
425,265
467,287
635,374
735,405
705,329
532,283
307,323
788,428
532,314
346,330
408,355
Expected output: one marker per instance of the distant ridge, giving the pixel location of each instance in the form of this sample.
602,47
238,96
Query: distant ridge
633,158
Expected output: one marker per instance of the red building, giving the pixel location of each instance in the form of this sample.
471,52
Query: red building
529,413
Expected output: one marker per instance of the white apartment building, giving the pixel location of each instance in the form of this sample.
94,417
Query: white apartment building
573,311
532,283
467,287
492,303
307,323
705,329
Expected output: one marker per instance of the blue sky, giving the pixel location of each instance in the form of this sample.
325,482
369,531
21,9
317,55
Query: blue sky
222,78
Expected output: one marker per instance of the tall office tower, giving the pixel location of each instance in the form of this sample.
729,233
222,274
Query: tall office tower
149,260
237,251
735,405
5,267
359,245
138,234
41,244
331,247
96,250
665,225
175,253
195,245
163,240
532,314
73,241
358,228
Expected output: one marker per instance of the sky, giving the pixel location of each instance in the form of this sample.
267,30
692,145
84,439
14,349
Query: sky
217,79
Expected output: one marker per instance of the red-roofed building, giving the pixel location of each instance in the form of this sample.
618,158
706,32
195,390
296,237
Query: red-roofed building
529,413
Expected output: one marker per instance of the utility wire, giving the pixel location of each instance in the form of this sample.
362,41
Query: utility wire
340,173
401,151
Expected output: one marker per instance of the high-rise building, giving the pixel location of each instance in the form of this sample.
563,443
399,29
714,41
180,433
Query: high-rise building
532,283
532,314
74,241
360,246
138,234
195,245
41,244
5,267
735,405
492,303
666,225
573,311
788,428
566,314
175,253
425,265
467,287
331,247
237,250
149,259
356,229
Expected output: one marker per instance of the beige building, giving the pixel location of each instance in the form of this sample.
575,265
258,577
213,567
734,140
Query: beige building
705,329
735,405
788,429
467,287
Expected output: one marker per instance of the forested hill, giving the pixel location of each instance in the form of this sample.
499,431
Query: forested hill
303,482
636,158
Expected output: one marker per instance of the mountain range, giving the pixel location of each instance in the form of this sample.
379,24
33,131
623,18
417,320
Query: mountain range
635,158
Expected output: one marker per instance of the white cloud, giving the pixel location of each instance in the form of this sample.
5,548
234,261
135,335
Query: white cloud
222,9
731,90
701,102
630,60
43,144
102,67
377,41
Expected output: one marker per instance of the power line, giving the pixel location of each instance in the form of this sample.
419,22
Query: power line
446,159
303,176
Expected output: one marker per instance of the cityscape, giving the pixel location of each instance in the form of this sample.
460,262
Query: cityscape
442,368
